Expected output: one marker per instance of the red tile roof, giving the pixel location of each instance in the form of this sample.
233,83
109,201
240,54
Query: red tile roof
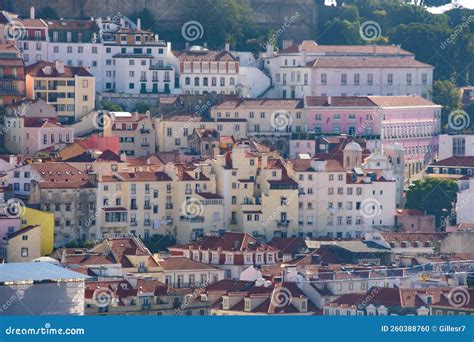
36,70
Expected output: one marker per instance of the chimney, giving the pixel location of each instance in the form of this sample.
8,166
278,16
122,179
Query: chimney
227,47
187,46
205,45
264,160
270,49
139,24
59,65
32,12
122,21
287,43
329,100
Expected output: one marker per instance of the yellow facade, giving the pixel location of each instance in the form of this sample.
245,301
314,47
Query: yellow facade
33,217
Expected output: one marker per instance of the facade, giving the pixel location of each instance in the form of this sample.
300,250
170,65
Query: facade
346,194
457,145
270,120
260,193
231,252
415,221
388,119
135,131
24,245
309,69
202,71
69,194
12,74
71,90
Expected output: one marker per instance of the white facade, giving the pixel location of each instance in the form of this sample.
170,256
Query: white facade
310,69
456,146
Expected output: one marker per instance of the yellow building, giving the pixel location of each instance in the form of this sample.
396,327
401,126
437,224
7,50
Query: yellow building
71,90
45,220
261,198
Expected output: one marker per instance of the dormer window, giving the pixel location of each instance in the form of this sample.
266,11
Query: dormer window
247,304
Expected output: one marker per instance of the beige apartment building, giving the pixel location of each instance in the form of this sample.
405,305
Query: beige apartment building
261,199
136,132
172,131
270,120
71,90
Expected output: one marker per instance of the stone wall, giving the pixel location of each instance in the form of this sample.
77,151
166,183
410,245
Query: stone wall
267,13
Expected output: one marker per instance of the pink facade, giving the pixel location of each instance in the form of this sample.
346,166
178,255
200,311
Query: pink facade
8,225
409,120
39,138
302,147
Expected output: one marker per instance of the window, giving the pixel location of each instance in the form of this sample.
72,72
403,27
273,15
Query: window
459,147
343,79
370,79
323,79
24,252
390,79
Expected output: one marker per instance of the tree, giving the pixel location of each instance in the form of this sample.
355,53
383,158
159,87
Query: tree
222,21
141,107
80,244
112,107
435,196
147,18
446,94
432,3
157,243
339,31
48,13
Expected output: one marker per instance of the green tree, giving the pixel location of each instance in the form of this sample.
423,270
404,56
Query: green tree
80,244
435,196
112,107
339,31
223,21
147,18
48,13
157,243
141,107
446,94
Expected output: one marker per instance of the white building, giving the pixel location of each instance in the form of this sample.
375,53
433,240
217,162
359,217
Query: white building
318,70
343,195
455,146
203,71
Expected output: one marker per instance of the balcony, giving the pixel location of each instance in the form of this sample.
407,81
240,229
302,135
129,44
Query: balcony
144,130
283,223
145,144
198,219
169,206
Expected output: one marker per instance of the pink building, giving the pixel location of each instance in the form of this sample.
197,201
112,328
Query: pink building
8,225
412,121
